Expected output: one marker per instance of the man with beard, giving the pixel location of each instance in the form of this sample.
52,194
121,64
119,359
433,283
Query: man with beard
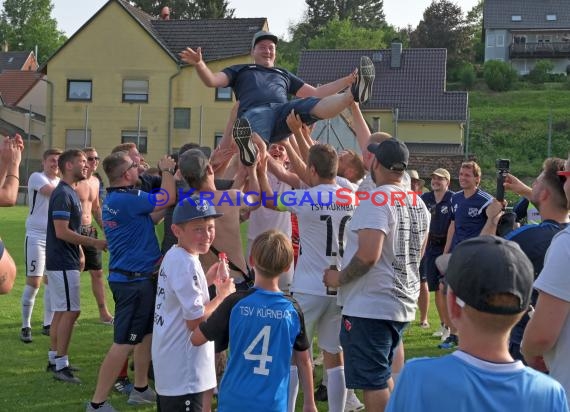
64,260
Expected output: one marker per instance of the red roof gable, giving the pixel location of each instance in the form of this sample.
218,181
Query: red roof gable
14,84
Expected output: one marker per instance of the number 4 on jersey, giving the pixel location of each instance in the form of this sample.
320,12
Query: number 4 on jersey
263,357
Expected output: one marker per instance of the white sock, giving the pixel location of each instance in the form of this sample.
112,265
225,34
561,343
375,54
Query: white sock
336,389
293,388
28,300
51,356
48,313
61,362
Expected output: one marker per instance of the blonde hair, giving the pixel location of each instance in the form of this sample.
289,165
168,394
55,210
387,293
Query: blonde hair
272,253
471,165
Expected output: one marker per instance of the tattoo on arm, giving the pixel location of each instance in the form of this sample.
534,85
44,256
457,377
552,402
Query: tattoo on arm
354,270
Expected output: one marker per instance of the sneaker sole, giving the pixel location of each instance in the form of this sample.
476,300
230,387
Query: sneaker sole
141,402
75,381
241,133
366,75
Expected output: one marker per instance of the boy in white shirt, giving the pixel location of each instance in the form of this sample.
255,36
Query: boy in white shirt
184,372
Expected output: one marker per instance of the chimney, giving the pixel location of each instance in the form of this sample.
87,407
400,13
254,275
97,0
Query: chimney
395,61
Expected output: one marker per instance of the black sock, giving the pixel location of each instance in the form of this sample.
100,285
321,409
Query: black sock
97,405
144,388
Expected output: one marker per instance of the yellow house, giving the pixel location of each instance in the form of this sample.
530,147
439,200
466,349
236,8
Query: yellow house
118,79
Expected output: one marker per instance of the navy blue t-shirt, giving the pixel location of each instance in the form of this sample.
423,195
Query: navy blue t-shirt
64,204
256,85
469,215
440,220
129,229
534,240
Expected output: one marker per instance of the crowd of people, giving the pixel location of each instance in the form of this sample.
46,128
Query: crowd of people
361,270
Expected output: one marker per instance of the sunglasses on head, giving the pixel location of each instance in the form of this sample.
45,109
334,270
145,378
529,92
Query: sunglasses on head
563,174
92,158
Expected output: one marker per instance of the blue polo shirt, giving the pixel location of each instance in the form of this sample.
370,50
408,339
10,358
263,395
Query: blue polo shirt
469,215
64,204
129,229
534,240
256,85
440,221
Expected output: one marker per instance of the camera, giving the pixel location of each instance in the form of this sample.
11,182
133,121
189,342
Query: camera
502,166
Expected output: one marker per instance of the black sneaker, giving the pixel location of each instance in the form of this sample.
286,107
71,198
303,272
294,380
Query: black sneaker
26,335
45,330
362,87
321,393
123,385
241,133
65,375
450,343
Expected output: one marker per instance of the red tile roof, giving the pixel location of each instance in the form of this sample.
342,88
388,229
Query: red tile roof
14,84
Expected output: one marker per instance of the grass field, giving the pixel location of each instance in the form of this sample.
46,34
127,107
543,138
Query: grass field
25,384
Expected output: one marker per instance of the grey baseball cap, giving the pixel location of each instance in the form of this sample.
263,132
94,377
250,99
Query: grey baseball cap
263,35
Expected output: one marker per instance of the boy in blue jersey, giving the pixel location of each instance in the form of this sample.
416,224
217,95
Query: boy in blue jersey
263,328
490,283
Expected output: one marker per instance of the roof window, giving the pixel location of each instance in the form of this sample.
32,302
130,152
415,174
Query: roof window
516,17
551,17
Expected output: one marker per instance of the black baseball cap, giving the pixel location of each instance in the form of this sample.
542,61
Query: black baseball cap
192,208
263,35
484,266
392,153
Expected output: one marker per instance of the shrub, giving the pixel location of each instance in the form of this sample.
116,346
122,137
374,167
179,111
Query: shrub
467,76
499,76
540,72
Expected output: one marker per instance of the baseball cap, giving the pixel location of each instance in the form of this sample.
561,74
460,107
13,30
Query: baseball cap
441,172
391,153
192,208
484,266
262,35
192,164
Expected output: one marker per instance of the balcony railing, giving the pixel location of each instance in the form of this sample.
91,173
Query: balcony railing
540,50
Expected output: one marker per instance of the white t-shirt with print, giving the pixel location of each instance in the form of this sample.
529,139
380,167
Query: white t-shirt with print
36,223
391,287
322,233
554,279
182,294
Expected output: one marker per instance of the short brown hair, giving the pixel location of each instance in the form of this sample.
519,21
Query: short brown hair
68,156
491,322
324,159
113,163
473,166
52,152
550,167
124,147
356,163
272,253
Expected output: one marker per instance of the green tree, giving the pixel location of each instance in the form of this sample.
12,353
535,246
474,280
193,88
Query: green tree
187,9
25,24
344,34
443,26
476,45
540,71
499,76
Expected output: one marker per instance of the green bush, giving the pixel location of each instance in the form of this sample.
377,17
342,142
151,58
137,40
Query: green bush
467,76
540,72
499,76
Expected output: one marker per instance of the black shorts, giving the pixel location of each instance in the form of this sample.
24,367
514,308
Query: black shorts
191,402
93,256
134,310
429,272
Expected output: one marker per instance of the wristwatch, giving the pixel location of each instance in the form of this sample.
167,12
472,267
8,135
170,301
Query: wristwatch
171,171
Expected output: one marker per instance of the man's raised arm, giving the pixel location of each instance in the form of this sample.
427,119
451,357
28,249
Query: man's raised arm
210,79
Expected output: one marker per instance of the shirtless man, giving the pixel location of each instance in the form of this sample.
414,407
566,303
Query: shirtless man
88,192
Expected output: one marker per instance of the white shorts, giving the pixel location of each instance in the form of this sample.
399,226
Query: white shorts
35,249
64,290
323,315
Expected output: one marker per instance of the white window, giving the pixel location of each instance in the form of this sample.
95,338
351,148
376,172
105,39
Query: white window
224,93
516,17
77,138
182,118
218,138
491,40
79,90
138,138
500,40
135,91
551,17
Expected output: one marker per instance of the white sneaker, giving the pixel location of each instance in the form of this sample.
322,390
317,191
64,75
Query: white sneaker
439,333
445,334
352,404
